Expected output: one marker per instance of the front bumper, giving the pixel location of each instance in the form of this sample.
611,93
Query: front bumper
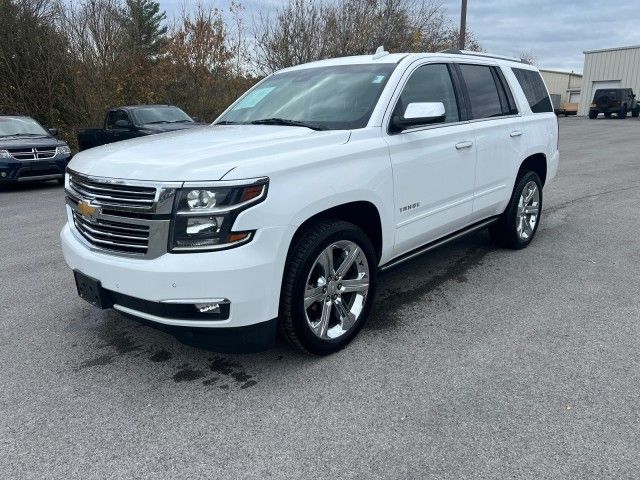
248,276
12,170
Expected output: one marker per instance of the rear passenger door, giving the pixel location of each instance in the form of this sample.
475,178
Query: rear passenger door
499,136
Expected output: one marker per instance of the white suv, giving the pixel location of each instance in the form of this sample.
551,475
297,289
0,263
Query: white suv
281,213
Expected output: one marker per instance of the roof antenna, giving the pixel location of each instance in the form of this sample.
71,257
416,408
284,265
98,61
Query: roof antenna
380,52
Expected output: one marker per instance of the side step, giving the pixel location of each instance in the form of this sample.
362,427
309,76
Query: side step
437,243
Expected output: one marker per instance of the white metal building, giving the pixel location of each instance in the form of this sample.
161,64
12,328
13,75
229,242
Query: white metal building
564,83
609,68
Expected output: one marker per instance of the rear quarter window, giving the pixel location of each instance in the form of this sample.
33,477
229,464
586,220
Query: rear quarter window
534,89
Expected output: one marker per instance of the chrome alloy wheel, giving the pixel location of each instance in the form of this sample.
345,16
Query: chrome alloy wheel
336,290
528,210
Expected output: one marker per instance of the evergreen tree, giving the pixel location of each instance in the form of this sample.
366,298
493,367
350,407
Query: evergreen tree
143,22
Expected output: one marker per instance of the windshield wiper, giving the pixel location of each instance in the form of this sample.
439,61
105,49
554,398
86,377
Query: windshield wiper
287,123
181,121
229,122
157,121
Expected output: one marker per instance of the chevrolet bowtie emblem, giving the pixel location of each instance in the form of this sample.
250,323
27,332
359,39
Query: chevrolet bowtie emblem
86,209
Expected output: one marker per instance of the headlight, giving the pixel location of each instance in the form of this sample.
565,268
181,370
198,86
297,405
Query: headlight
204,214
64,150
5,154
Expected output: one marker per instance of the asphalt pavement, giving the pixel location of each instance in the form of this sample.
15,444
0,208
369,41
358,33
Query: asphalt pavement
477,363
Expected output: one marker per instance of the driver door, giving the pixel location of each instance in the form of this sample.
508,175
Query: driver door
433,165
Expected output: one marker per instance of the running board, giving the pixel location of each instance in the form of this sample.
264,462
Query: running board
438,243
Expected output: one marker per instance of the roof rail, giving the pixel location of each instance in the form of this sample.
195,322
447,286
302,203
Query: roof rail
455,51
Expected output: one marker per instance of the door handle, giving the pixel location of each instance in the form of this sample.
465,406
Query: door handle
462,145
515,133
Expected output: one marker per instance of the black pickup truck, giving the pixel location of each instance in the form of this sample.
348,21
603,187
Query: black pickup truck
29,152
123,123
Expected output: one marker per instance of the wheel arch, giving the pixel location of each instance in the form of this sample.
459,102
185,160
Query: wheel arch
536,163
362,213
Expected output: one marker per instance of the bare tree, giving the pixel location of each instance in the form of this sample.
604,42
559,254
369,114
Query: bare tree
529,58
307,30
296,35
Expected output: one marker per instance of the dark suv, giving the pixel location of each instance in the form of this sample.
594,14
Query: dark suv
29,152
614,100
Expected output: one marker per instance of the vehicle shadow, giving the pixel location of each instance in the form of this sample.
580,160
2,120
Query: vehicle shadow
418,281
27,186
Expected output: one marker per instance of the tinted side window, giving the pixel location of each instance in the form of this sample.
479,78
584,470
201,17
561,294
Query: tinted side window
483,93
114,116
111,119
534,89
430,83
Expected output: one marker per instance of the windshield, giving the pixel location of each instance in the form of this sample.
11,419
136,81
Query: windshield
338,98
146,115
11,126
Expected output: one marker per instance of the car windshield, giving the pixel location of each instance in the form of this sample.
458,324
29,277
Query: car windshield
146,115
15,126
323,98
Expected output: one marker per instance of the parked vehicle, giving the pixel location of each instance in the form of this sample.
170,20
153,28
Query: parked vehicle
123,123
283,211
567,109
614,100
29,152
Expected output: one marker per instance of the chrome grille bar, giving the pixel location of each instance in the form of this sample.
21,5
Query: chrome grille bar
109,194
36,153
93,233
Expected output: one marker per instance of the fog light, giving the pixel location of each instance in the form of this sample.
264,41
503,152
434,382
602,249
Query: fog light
212,308
3,174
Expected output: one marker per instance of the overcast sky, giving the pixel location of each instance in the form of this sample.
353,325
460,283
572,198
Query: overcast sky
555,32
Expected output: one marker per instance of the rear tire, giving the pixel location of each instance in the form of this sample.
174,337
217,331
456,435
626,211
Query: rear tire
635,112
328,287
519,222
622,114
593,115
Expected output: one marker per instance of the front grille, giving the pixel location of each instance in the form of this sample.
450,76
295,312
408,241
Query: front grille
112,194
36,153
121,217
114,236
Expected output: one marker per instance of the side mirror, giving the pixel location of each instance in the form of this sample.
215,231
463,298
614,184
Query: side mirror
53,132
421,113
196,119
123,124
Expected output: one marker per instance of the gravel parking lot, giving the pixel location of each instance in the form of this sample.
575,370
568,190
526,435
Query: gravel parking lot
478,363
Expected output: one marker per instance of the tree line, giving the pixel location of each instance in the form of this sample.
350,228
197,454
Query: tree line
65,62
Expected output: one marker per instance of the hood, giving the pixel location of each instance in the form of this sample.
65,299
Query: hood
169,127
201,154
29,142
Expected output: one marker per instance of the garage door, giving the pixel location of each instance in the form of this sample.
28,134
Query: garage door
574,97
604,84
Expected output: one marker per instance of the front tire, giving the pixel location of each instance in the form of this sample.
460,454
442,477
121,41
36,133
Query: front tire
593,114
518,224
328,287
622,114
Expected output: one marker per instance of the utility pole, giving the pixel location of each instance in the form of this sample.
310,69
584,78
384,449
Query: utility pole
463,25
